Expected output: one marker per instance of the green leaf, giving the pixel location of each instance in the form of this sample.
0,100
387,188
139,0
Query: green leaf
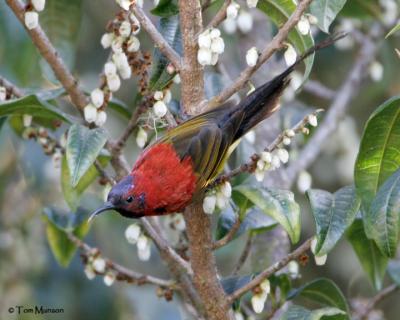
379,154
72,194
326,11
395,29
120,107
362,9
170,30
278,204
283,282
381,222
83,147
279,11
323,291
371,259
57,224
36,105
295,312
231,284
333,214
394,271
166,8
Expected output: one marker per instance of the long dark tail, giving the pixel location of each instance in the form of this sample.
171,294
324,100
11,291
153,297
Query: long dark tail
264,101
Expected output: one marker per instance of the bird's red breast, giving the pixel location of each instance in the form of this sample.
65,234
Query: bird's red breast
167,182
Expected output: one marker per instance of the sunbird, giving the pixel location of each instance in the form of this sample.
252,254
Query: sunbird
170,173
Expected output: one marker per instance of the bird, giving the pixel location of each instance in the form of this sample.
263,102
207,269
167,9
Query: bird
178,167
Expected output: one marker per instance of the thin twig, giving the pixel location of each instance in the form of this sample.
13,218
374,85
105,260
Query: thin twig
10,87
228,237
243,257
318,89
219,16
271,270
381,295
156,36
50,54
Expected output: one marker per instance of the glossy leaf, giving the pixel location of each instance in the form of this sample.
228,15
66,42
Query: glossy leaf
333,214
323,291
279,11
72,194
170,29
382,219
57,224
326,11
166,8
379,154
371,259
295,312
278,204
83,147
394,271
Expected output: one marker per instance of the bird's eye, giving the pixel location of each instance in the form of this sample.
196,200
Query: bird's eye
129,199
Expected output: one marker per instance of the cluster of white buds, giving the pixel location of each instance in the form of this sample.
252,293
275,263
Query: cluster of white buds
141,137
31,16
290,55
260,297
252,57
134,235
237,19
219,197
252,3
96,264
162,99
94,111
3,93
270,161
211,45
319,260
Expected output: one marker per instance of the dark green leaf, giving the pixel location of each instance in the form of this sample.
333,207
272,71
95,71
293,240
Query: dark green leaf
83,147
379,154
279,11
231,284
371,259
279,204
299,313
333,214
170,29
394,271
166,8
326,11
283,282
57,224
323,291
362,9
382,219
120,107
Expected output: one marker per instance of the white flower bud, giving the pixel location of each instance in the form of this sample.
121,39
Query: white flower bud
217,45
250,137
259,175
3,93
252,3
204,40
97,97
121,60
160,109
132,233
170,68
293,268
283,155
312,19
142,242
286,141
125,72
110,69
27,120
290,133
312,120
320,260
125,29
266,156
90,113
133,44
252,57
204,56
245,21
209,203
303,25
275,161
177,79
304,181
260,164
101,118
226,189
106,40
31,19
116,44
215,33
113,82
265,286
145,253
90,274
141,138
232,10
376,71
222,201
258,301
109,278
158,95
38,4
99,265
229,26
290,55
124,4
214,58
238,315
167,96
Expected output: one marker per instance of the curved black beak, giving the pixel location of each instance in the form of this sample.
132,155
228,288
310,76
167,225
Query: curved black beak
105,207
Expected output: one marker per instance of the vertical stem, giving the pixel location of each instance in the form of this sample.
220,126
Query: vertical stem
198,224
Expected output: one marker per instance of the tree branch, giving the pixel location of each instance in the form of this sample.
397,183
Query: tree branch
50,54
318,89
10,87
243,257
156,36
271,270
229,236
219,16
